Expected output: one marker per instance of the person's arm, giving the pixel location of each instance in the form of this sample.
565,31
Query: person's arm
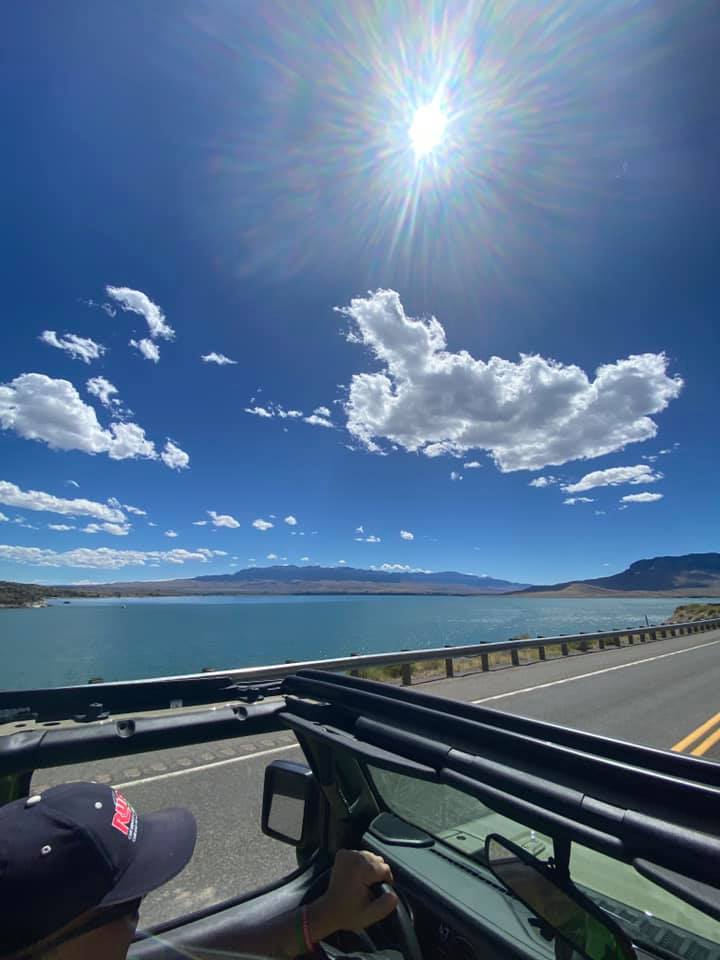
348,904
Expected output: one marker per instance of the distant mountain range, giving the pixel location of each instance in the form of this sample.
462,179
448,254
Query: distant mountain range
690,575
315,574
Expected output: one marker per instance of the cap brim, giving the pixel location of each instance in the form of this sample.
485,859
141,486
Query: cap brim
165,846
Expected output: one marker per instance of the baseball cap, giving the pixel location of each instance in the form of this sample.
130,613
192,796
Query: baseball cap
80,846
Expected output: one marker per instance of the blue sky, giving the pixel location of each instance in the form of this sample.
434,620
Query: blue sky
536,294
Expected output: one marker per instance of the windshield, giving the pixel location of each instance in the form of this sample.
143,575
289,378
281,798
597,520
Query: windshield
649,914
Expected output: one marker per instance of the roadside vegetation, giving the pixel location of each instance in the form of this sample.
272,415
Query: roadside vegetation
688,612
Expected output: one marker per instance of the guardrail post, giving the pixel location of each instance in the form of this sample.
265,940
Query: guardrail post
601,643
541,652
406,674
643,636
630,639
564,648
653,635
514,658
449,667
484,662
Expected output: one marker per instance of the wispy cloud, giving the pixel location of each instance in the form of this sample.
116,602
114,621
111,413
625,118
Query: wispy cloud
261,524
61,527
101,558
541,482
79,348
72,483
13,496
407,535
571,501
614,476
472,465
175,458
219,520
290,520
454,475
370,539
645,497
115,529
104,390
526,414
219,358
137,302
171,533
147,348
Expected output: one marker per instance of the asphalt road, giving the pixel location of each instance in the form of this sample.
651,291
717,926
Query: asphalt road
665,694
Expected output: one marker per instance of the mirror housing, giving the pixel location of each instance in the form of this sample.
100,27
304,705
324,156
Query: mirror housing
564,912
291,803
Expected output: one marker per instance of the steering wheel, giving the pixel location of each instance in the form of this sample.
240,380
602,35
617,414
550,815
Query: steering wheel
396,931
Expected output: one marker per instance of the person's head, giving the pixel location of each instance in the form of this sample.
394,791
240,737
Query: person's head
75,862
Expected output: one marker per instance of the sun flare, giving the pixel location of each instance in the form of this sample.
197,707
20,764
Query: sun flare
427,129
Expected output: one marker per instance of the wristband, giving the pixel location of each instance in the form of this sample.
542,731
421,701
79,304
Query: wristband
309,945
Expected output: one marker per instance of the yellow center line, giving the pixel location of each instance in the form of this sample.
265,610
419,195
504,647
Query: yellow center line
696,734
703,747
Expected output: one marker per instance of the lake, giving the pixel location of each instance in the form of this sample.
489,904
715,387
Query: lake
142,637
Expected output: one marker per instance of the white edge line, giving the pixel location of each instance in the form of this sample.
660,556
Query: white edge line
204,766
595,673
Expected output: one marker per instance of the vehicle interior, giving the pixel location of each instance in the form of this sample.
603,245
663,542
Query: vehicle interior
506,836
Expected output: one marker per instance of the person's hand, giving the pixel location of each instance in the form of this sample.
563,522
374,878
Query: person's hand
349,903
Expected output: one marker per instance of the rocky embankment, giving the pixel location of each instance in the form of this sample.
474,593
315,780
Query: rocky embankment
688,612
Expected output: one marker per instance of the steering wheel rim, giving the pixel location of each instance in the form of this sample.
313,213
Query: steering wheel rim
397,927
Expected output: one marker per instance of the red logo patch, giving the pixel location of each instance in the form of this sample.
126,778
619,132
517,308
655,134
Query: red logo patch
124,818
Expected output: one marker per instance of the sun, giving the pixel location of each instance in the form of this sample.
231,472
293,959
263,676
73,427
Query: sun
427,128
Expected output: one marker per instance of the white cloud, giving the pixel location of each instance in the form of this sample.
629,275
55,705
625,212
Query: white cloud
260,524
102,558
147,348
170,533
472,465
79,348
51,411
219,553
138,302
406,535
61,527
219,358
342,561
399,568
571,501
116,529
12,496
454,475
645,497
151,524
599,513
104,390
72,483
272,556
258,411
527,414
360,529
612,477
316,421
200,523
175,458
3,518
322,412
220,520
135,510
649,458
541,482
371,539
291,521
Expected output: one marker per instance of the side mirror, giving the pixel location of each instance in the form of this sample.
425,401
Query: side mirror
566,914
291,802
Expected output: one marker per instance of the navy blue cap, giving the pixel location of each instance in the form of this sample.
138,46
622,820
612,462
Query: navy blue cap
81,846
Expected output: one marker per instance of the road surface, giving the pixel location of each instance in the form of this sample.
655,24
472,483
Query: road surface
665,694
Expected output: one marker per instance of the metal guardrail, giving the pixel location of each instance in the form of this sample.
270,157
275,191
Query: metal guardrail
93,700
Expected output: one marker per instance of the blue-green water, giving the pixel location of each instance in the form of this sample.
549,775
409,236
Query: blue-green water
124,639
